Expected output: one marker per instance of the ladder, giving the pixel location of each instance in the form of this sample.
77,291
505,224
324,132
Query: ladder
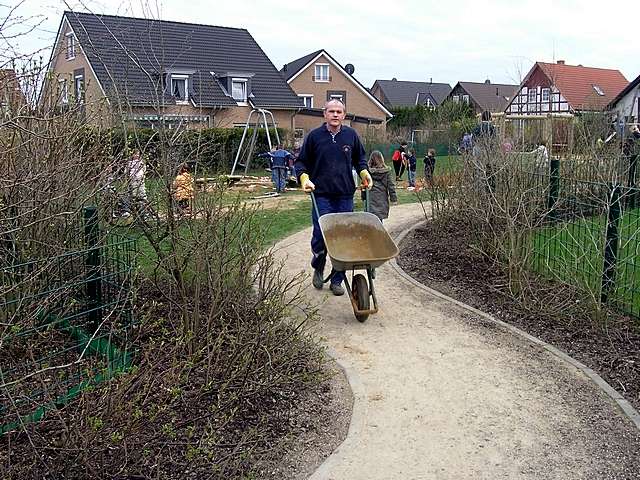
246,154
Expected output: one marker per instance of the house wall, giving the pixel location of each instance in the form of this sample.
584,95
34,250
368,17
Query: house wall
538,80
627,106
357,102
96,105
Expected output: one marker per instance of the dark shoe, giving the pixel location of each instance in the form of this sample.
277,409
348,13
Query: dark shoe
337,289
317,279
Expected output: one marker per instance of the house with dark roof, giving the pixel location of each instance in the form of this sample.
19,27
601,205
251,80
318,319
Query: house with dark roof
558,88
399,93
150,70
317,78
483,96
626,105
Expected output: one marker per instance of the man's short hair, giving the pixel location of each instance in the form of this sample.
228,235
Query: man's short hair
334,100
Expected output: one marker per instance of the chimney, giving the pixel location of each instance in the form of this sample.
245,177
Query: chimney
431,80
284,69
560,62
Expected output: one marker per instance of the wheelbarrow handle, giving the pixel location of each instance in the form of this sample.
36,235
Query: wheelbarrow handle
366,200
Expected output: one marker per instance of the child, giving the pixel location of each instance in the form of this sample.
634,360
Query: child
183,190
429,164
384,189
411,169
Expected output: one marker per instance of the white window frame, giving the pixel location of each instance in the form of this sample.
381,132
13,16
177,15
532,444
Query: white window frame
546,95
70,46
456,98
244,83
63,92
305,97
318,68
533,90
598,90
79,92
465,99
185,78
336,96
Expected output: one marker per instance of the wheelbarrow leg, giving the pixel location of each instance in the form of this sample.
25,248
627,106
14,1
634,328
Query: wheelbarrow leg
371,274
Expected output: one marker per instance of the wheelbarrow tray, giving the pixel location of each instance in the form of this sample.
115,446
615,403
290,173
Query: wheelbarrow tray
356,240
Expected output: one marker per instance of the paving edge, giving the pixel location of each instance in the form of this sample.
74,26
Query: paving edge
622,403
357,417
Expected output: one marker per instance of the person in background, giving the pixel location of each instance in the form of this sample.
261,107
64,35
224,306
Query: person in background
399,161
412,165
183,191
384,190
279,163
324,166
429,165
137,170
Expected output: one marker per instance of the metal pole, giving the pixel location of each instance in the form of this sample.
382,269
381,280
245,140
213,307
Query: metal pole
611,245
94,278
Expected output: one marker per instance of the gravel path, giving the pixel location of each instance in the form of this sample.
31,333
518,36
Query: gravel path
441,393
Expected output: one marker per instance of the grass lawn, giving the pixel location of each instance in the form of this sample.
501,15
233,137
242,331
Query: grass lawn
574,253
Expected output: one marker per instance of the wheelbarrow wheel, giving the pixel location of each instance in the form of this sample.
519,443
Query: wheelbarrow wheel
360,290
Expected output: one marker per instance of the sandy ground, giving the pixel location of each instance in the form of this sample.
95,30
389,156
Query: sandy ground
442,394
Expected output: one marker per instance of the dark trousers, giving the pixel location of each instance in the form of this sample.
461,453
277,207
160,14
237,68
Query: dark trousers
279,178
318,248
398,167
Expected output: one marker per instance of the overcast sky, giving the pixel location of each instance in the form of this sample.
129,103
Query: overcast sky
469,40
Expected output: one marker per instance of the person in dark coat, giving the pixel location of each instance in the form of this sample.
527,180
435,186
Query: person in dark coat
329,154
384,188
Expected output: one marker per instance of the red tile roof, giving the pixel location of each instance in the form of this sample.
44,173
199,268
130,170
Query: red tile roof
576,84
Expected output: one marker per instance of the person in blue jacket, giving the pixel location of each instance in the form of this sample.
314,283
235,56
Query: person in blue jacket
278,162
327,157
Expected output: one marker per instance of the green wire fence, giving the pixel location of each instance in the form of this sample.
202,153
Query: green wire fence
65,323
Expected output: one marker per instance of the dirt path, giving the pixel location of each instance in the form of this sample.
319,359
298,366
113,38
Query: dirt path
443,394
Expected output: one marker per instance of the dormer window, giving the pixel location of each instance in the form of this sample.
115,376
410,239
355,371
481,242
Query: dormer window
321,73
71,46
239,89
598,90
180,88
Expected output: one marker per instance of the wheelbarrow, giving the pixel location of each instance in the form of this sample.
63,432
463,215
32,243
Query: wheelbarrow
356,241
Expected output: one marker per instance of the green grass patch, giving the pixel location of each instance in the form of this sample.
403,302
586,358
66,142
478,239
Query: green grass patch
573,253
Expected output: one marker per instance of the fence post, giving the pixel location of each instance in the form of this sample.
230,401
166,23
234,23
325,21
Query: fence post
554,187
94,277
611,244
632,198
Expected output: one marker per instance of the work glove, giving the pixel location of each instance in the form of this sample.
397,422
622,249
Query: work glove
307,185
367,181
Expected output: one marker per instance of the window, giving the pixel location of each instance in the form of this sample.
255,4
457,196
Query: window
180,88
337,96
239,89
545,94
465,99
78,90
321,73
456,99
533,94
71,46
63,93
598,90
308,100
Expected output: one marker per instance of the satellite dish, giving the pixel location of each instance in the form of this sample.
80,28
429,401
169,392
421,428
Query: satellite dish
349,68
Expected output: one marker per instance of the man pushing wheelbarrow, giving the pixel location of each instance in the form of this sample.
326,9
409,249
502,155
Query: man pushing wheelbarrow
328,156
